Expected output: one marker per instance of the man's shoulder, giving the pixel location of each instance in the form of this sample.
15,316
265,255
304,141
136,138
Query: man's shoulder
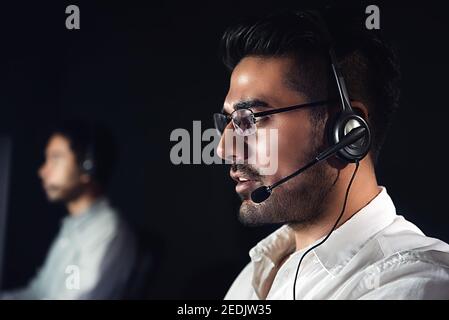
401,259
402,238
410,272
105,225
398,262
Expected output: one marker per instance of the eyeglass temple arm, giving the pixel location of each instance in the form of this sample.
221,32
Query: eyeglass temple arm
280,110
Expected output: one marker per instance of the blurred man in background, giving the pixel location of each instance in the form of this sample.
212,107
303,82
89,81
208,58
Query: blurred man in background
94,251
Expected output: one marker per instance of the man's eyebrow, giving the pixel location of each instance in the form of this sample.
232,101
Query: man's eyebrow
253,103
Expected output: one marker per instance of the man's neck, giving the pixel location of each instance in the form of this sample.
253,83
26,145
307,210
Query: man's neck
82,203
364,189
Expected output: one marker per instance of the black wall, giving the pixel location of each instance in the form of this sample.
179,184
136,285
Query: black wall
146,69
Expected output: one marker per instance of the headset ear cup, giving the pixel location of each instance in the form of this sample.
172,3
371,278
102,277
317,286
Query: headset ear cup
343,124
88,166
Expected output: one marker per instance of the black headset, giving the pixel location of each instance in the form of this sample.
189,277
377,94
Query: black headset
347,119
88,163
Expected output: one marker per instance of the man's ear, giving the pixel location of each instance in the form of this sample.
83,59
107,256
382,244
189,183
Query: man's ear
360,109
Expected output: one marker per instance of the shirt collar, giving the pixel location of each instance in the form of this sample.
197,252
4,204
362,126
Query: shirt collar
74,222
336,252
349,238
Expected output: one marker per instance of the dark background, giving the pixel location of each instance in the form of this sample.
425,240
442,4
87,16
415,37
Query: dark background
146,69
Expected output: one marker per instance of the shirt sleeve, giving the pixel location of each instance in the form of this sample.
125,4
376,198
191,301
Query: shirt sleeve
30,292
35,289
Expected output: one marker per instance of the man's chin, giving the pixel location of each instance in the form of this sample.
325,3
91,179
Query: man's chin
54,198
250,214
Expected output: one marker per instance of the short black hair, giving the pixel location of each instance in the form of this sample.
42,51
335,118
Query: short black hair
90,139
368,62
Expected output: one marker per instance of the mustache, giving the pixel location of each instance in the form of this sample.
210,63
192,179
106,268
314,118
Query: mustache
249,171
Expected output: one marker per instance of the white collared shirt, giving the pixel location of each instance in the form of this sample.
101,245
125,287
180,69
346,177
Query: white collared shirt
377,254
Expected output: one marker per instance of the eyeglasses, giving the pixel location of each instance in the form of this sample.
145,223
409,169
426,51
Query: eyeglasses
244,119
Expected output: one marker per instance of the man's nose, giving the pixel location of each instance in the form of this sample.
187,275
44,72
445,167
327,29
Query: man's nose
232,147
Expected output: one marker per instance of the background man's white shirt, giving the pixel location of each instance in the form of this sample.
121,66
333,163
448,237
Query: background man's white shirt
91,258
377,254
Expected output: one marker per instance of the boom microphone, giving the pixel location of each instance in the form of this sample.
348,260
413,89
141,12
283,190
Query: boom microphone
263,193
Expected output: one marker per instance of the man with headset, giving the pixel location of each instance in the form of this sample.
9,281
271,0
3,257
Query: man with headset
330,96
93,253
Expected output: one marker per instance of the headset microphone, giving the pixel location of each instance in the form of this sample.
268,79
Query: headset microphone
263,193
